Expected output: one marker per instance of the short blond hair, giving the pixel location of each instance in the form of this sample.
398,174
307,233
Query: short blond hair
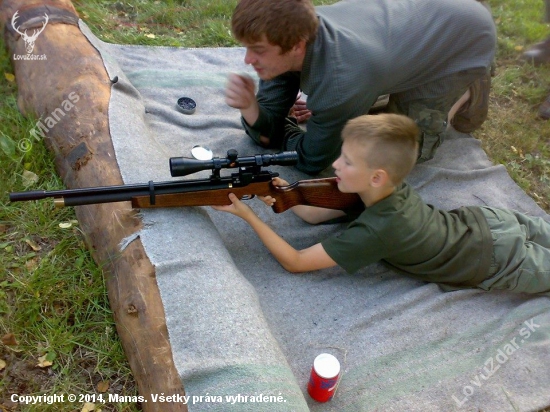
283,22
391,139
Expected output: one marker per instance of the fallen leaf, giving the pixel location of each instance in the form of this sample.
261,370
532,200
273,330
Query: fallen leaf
44,363
514,149
9,77
7,145
35,246
59,307
2,364
32,264
150,35
46,360
29,178
518,48
65,225
103,386
9,339
88,407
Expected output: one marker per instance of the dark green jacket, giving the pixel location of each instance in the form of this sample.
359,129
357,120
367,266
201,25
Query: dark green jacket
365,49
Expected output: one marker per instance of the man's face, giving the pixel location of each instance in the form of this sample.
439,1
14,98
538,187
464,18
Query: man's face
267,59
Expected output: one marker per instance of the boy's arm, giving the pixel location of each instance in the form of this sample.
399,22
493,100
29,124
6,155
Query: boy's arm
315,215
312,258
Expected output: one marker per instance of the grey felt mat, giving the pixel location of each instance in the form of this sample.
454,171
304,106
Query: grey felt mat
240,325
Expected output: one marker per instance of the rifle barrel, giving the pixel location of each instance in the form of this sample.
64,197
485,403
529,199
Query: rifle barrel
31,195
119,193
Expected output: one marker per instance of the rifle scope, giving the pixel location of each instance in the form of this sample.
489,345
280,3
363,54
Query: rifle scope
183,166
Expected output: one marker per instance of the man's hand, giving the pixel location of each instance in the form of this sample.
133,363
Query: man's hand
240,94
299,110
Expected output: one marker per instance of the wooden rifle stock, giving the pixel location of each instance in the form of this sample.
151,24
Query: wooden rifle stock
314,192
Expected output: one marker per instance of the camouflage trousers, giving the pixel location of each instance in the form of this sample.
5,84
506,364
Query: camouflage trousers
429,105
521,252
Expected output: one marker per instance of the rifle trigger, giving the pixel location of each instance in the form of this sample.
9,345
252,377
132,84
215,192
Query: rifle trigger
151,192
248,197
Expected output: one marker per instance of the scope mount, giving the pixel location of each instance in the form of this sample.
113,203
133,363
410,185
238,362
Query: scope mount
232,156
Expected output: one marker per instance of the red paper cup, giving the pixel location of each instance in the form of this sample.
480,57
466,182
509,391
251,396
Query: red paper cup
324,377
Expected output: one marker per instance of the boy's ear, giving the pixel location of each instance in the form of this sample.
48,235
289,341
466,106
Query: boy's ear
379,178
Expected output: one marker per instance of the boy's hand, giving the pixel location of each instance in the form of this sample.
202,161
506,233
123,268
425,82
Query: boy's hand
268,200
236,207
277,181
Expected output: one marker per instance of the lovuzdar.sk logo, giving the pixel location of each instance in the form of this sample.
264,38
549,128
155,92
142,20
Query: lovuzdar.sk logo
28,39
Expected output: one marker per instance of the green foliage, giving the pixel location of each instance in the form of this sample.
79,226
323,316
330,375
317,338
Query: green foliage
513,135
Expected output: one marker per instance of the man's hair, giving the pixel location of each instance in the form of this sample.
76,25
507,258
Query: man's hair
391,140
283,22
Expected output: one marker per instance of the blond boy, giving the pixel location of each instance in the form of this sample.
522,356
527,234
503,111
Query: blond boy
468,247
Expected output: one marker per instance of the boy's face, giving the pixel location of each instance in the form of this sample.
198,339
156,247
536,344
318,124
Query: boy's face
267,60
353,174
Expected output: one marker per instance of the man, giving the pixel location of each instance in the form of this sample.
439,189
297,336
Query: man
426,54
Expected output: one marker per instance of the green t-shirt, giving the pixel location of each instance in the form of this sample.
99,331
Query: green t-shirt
418,240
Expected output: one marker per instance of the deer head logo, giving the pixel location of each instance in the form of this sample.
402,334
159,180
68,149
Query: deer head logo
29,40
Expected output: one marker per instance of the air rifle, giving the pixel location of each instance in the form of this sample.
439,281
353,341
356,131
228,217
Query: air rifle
249,181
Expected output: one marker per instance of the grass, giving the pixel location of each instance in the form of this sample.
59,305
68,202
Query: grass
513,135
53,303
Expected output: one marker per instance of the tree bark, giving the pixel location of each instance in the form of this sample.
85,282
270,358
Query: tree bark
71,88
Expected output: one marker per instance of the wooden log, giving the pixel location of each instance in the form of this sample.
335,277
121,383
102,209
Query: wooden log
69,90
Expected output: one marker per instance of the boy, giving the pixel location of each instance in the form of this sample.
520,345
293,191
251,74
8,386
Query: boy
430,56
468,247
